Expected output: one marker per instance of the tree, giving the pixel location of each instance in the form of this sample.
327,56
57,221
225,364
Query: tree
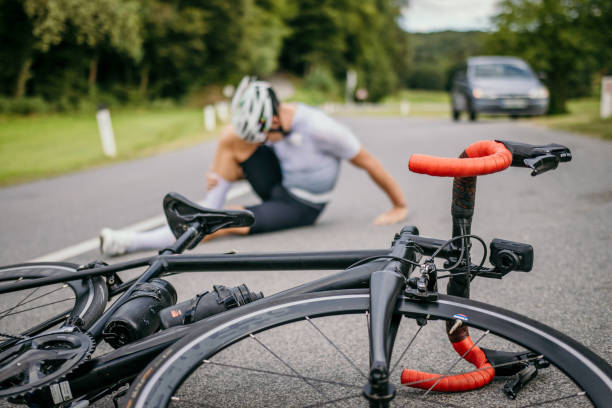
46,23
560,38
342,34
175,49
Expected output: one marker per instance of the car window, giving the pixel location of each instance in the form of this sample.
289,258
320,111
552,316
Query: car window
500,70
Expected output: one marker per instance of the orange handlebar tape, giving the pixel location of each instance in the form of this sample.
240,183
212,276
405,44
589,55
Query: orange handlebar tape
483,374
484,157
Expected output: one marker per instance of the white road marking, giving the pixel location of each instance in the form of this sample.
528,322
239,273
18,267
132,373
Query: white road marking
238,190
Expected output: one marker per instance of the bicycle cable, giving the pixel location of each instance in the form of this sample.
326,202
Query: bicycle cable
396,258
430,259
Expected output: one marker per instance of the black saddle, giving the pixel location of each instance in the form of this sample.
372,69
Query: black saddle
181,213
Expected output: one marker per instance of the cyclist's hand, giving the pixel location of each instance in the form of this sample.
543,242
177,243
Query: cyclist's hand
393,216
211,180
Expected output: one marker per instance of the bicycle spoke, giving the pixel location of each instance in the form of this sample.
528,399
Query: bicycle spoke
13,336
474,371
550,401
258,370
2,316
407,347
38,307
36,298
336,347
456,362
287,365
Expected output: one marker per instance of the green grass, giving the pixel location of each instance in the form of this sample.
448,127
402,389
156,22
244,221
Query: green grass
416,96
34,147
583,118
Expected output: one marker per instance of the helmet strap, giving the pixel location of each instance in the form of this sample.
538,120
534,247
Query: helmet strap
280,130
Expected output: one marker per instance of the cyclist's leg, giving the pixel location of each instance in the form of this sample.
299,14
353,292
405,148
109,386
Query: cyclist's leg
313,349
226,167
283,211
280,212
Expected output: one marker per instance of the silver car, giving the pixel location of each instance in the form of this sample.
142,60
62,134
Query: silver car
498,85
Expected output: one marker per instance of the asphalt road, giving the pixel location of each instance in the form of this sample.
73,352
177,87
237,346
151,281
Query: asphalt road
565,214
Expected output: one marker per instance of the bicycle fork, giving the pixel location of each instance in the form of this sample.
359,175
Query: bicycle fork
385,287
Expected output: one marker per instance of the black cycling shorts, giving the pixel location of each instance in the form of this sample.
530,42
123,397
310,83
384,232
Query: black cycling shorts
279,208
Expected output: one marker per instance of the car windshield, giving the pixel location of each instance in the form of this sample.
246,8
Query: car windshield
501,70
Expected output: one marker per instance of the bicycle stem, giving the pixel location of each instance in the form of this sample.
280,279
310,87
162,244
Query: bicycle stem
462,210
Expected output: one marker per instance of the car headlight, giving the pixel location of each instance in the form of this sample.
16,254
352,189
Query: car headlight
538,93
480,93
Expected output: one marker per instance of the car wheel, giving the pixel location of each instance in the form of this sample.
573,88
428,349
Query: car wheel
473,115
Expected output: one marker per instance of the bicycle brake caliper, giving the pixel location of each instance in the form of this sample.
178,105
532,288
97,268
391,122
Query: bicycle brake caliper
425,287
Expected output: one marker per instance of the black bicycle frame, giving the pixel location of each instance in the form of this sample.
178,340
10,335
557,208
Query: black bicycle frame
385,278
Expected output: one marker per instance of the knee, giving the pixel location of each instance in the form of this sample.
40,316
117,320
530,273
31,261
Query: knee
228,138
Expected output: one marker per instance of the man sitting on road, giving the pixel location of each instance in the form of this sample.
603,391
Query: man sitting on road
290,154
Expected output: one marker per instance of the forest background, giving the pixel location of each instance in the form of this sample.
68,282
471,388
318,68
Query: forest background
62,55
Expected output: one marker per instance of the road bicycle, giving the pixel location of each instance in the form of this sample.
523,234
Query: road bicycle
368,335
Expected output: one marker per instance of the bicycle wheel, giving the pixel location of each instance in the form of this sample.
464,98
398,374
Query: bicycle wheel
29,312
312,350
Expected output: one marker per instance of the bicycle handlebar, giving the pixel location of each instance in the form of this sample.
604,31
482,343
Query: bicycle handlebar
484,157
488,156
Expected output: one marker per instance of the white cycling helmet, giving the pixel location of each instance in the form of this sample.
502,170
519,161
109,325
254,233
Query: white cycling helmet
253,106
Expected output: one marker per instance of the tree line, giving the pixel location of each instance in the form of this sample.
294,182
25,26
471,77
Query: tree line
66,50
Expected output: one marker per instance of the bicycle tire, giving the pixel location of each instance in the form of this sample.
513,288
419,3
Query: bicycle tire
158,382
89,300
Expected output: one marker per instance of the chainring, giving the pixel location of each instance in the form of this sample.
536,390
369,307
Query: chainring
42,360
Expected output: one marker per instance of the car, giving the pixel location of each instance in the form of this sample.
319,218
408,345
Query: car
497,85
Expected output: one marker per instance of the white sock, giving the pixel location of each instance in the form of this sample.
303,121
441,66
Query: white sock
215,197
163,237
158,238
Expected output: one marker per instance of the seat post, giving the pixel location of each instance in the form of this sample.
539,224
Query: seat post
184,241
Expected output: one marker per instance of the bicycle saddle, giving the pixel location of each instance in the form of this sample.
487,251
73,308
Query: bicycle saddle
181,213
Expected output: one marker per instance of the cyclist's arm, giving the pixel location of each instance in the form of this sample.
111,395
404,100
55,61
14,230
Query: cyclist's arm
365,160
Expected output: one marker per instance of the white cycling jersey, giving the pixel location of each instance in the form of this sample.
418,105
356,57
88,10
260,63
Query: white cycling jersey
310,155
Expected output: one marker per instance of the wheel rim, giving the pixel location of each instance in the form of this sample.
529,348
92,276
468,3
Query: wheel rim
311,384
32,311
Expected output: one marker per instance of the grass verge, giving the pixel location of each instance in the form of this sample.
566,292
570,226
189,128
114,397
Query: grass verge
583,118
34,147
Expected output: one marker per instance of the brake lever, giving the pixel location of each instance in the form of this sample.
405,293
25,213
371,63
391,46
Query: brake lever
541,164
539,158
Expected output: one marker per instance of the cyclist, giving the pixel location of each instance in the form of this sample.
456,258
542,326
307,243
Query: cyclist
290,153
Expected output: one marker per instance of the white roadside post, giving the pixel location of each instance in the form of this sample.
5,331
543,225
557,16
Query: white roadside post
209,118
222,111
404,108
606,97
106,131
351,84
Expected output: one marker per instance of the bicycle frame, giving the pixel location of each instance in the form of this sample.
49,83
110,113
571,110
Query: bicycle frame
385,278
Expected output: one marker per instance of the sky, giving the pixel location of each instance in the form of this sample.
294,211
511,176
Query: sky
440,15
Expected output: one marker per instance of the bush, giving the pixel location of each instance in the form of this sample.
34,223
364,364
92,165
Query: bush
24,106
426,78
322,80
